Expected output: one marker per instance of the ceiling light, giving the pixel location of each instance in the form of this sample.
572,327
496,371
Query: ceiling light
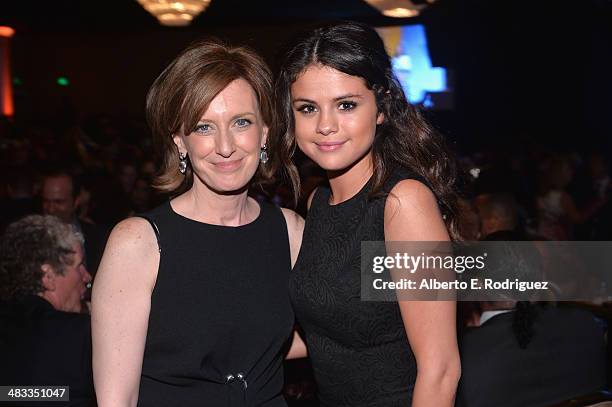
397,8
174,13
6,32
401,12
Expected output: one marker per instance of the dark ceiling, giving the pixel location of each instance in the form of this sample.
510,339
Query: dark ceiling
72,16
128,15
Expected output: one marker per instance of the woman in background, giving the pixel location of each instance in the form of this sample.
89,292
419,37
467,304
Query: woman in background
557,212
191,305
390,179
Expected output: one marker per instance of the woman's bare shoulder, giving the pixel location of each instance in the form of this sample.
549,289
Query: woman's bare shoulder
133,233
131,249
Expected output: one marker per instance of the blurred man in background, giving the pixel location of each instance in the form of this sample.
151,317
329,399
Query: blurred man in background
61,195
45,339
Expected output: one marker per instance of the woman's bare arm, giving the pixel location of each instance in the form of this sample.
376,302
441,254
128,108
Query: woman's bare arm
121,300
411,214
295,227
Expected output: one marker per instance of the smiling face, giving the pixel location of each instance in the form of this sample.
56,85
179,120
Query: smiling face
65,291
335,118
224,147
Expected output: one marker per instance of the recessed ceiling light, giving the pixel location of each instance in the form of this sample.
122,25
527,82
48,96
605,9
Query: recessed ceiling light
401,12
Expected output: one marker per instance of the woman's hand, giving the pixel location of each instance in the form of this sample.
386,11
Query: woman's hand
298,347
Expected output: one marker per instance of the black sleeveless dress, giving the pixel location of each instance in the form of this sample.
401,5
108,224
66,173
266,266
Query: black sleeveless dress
220,313
359,350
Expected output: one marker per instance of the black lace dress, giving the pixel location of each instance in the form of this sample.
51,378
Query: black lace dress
359,350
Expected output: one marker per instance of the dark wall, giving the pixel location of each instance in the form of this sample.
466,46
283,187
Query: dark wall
521,72
109,72
542,69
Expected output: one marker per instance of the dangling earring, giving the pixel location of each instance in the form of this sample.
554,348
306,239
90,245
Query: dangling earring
182,163
263,154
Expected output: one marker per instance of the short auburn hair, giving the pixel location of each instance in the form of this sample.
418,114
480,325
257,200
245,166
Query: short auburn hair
182,92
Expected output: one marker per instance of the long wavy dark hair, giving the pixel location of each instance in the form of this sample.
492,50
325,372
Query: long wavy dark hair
403,140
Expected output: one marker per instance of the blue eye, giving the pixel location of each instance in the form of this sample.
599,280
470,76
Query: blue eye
202,128
347,105
306,109
243,122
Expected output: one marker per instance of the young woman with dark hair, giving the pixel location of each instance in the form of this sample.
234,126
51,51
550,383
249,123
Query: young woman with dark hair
391,178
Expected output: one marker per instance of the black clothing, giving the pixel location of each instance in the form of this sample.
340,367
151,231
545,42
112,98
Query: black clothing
15,209
220,307
359,350
565,359
95,240
40,346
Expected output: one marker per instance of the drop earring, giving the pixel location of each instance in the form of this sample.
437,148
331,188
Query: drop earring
263,154
182,163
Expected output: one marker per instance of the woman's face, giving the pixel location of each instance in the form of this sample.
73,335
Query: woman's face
335,117
224,147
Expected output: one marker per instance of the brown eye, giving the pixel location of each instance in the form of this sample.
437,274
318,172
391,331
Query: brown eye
347,105
306,109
